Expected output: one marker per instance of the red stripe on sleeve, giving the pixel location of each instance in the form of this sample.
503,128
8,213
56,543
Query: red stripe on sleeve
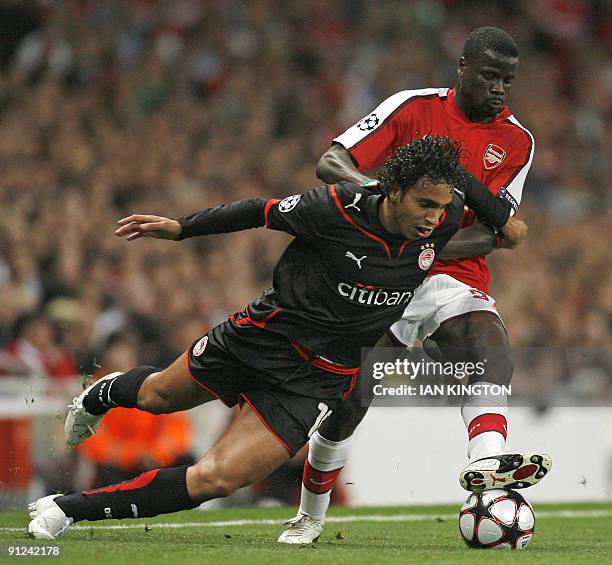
269,205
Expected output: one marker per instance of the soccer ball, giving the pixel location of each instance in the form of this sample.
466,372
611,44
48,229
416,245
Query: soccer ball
496,519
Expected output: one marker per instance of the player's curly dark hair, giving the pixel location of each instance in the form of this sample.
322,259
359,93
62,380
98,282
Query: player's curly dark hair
434,157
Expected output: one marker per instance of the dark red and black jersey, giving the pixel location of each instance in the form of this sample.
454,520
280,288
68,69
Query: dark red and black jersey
344,279
498,154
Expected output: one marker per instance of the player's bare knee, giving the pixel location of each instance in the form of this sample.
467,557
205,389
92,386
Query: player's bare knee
210,478
220,487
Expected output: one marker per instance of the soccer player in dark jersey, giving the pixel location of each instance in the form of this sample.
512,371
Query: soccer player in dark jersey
452,308
293,354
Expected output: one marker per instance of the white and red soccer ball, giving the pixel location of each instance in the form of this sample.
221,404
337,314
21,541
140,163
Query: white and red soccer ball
496,519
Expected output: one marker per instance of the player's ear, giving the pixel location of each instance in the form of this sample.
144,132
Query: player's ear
461,66
395,195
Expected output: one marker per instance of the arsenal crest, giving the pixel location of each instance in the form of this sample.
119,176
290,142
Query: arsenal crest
494,156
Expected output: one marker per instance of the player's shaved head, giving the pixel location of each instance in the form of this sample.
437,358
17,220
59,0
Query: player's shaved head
489,41
485,73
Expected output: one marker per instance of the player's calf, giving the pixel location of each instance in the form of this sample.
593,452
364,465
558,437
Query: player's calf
210,478
159,491
155,395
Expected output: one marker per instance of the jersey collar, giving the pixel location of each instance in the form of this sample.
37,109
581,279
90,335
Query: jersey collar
456,112
372,205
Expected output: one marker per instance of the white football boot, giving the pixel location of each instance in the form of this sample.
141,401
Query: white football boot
507,471
80,424
48,519
302,530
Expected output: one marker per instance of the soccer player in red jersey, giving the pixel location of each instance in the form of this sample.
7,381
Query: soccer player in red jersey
293,354
452,309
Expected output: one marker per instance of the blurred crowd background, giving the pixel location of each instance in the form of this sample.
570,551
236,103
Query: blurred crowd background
114,107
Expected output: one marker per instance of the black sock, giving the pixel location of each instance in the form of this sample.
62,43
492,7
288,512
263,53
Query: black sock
160,491
120,391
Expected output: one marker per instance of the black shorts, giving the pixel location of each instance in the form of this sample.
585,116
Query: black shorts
291,391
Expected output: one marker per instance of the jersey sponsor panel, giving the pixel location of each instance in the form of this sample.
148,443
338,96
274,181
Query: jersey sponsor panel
367,295
364,276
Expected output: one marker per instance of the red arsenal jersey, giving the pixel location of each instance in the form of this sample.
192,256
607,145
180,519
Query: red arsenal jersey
498,153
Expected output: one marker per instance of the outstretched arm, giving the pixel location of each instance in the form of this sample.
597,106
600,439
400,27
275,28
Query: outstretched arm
301,215
241,215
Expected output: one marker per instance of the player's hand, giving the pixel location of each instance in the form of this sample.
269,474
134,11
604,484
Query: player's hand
147,225
514,232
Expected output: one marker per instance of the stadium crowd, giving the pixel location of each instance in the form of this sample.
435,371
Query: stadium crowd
107,108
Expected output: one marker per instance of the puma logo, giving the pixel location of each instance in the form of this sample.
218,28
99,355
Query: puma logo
350,255
354,203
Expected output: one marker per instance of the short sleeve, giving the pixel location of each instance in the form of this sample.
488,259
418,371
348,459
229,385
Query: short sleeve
301,215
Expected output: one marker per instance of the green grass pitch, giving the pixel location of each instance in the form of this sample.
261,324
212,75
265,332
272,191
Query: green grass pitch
576,533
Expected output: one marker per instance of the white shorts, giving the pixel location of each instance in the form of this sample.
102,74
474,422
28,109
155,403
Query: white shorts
438,299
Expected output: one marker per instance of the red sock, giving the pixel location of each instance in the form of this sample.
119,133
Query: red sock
488,423
487,436
317,481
